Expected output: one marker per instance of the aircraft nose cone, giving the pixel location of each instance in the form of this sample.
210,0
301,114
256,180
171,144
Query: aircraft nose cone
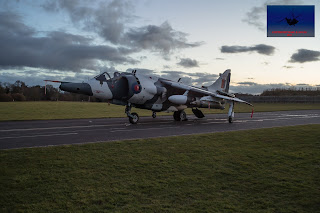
81,88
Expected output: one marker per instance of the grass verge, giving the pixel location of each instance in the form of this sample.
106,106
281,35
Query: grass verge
267,170
70,110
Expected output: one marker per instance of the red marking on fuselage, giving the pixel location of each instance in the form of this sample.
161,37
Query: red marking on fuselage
223,83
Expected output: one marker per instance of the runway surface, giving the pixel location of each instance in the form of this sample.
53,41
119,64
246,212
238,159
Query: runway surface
21,134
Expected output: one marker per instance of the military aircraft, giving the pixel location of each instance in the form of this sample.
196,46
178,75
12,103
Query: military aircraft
291,21
157,94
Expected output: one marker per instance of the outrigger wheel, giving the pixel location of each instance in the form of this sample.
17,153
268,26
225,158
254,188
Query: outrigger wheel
231,112
180,116
134,118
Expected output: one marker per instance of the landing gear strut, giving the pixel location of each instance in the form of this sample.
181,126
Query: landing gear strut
231,113
133,117
154,114
180,116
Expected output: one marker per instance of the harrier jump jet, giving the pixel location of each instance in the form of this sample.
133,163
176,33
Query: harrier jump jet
157,94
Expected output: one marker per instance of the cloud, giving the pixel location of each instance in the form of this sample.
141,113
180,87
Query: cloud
11,23
259,48
219,58
288,67
175,75
188,63
110,21
304,55
195,79
163,39
253,17
257,15
34,76
142,71
107,18
248,83
22,47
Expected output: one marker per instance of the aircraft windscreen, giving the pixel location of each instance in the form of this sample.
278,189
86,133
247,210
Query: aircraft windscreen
116,74
103,77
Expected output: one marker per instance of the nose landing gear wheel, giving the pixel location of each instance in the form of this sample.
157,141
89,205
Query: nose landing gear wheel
154,114
134,118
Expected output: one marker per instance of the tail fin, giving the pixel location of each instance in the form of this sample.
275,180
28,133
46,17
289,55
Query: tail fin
222,83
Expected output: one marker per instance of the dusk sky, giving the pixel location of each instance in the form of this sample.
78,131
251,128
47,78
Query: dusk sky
73,40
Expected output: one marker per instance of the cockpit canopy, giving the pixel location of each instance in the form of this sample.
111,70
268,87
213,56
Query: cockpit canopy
105,76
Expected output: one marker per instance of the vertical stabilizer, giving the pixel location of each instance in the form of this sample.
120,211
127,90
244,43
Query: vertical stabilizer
222,83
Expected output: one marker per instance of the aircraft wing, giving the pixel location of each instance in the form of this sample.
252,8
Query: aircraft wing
201,92
232,99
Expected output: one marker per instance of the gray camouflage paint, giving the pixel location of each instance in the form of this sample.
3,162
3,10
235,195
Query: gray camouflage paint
148,92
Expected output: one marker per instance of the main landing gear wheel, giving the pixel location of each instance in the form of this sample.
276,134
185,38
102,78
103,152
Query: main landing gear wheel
180,116
134,118
230,119
176,116
154,114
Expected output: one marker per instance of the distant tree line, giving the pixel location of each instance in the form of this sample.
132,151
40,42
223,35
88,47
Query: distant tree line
19,91
286,92
292,92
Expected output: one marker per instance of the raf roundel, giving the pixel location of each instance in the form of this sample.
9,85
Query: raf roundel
136,88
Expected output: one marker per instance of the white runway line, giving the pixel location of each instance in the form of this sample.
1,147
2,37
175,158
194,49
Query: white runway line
129,130
50,128
71,127
33,136
213,123
80,130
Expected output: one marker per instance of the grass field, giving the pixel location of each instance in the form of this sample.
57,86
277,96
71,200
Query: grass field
267,170
68,110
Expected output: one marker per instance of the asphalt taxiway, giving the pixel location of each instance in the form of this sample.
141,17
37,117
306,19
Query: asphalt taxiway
25,134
